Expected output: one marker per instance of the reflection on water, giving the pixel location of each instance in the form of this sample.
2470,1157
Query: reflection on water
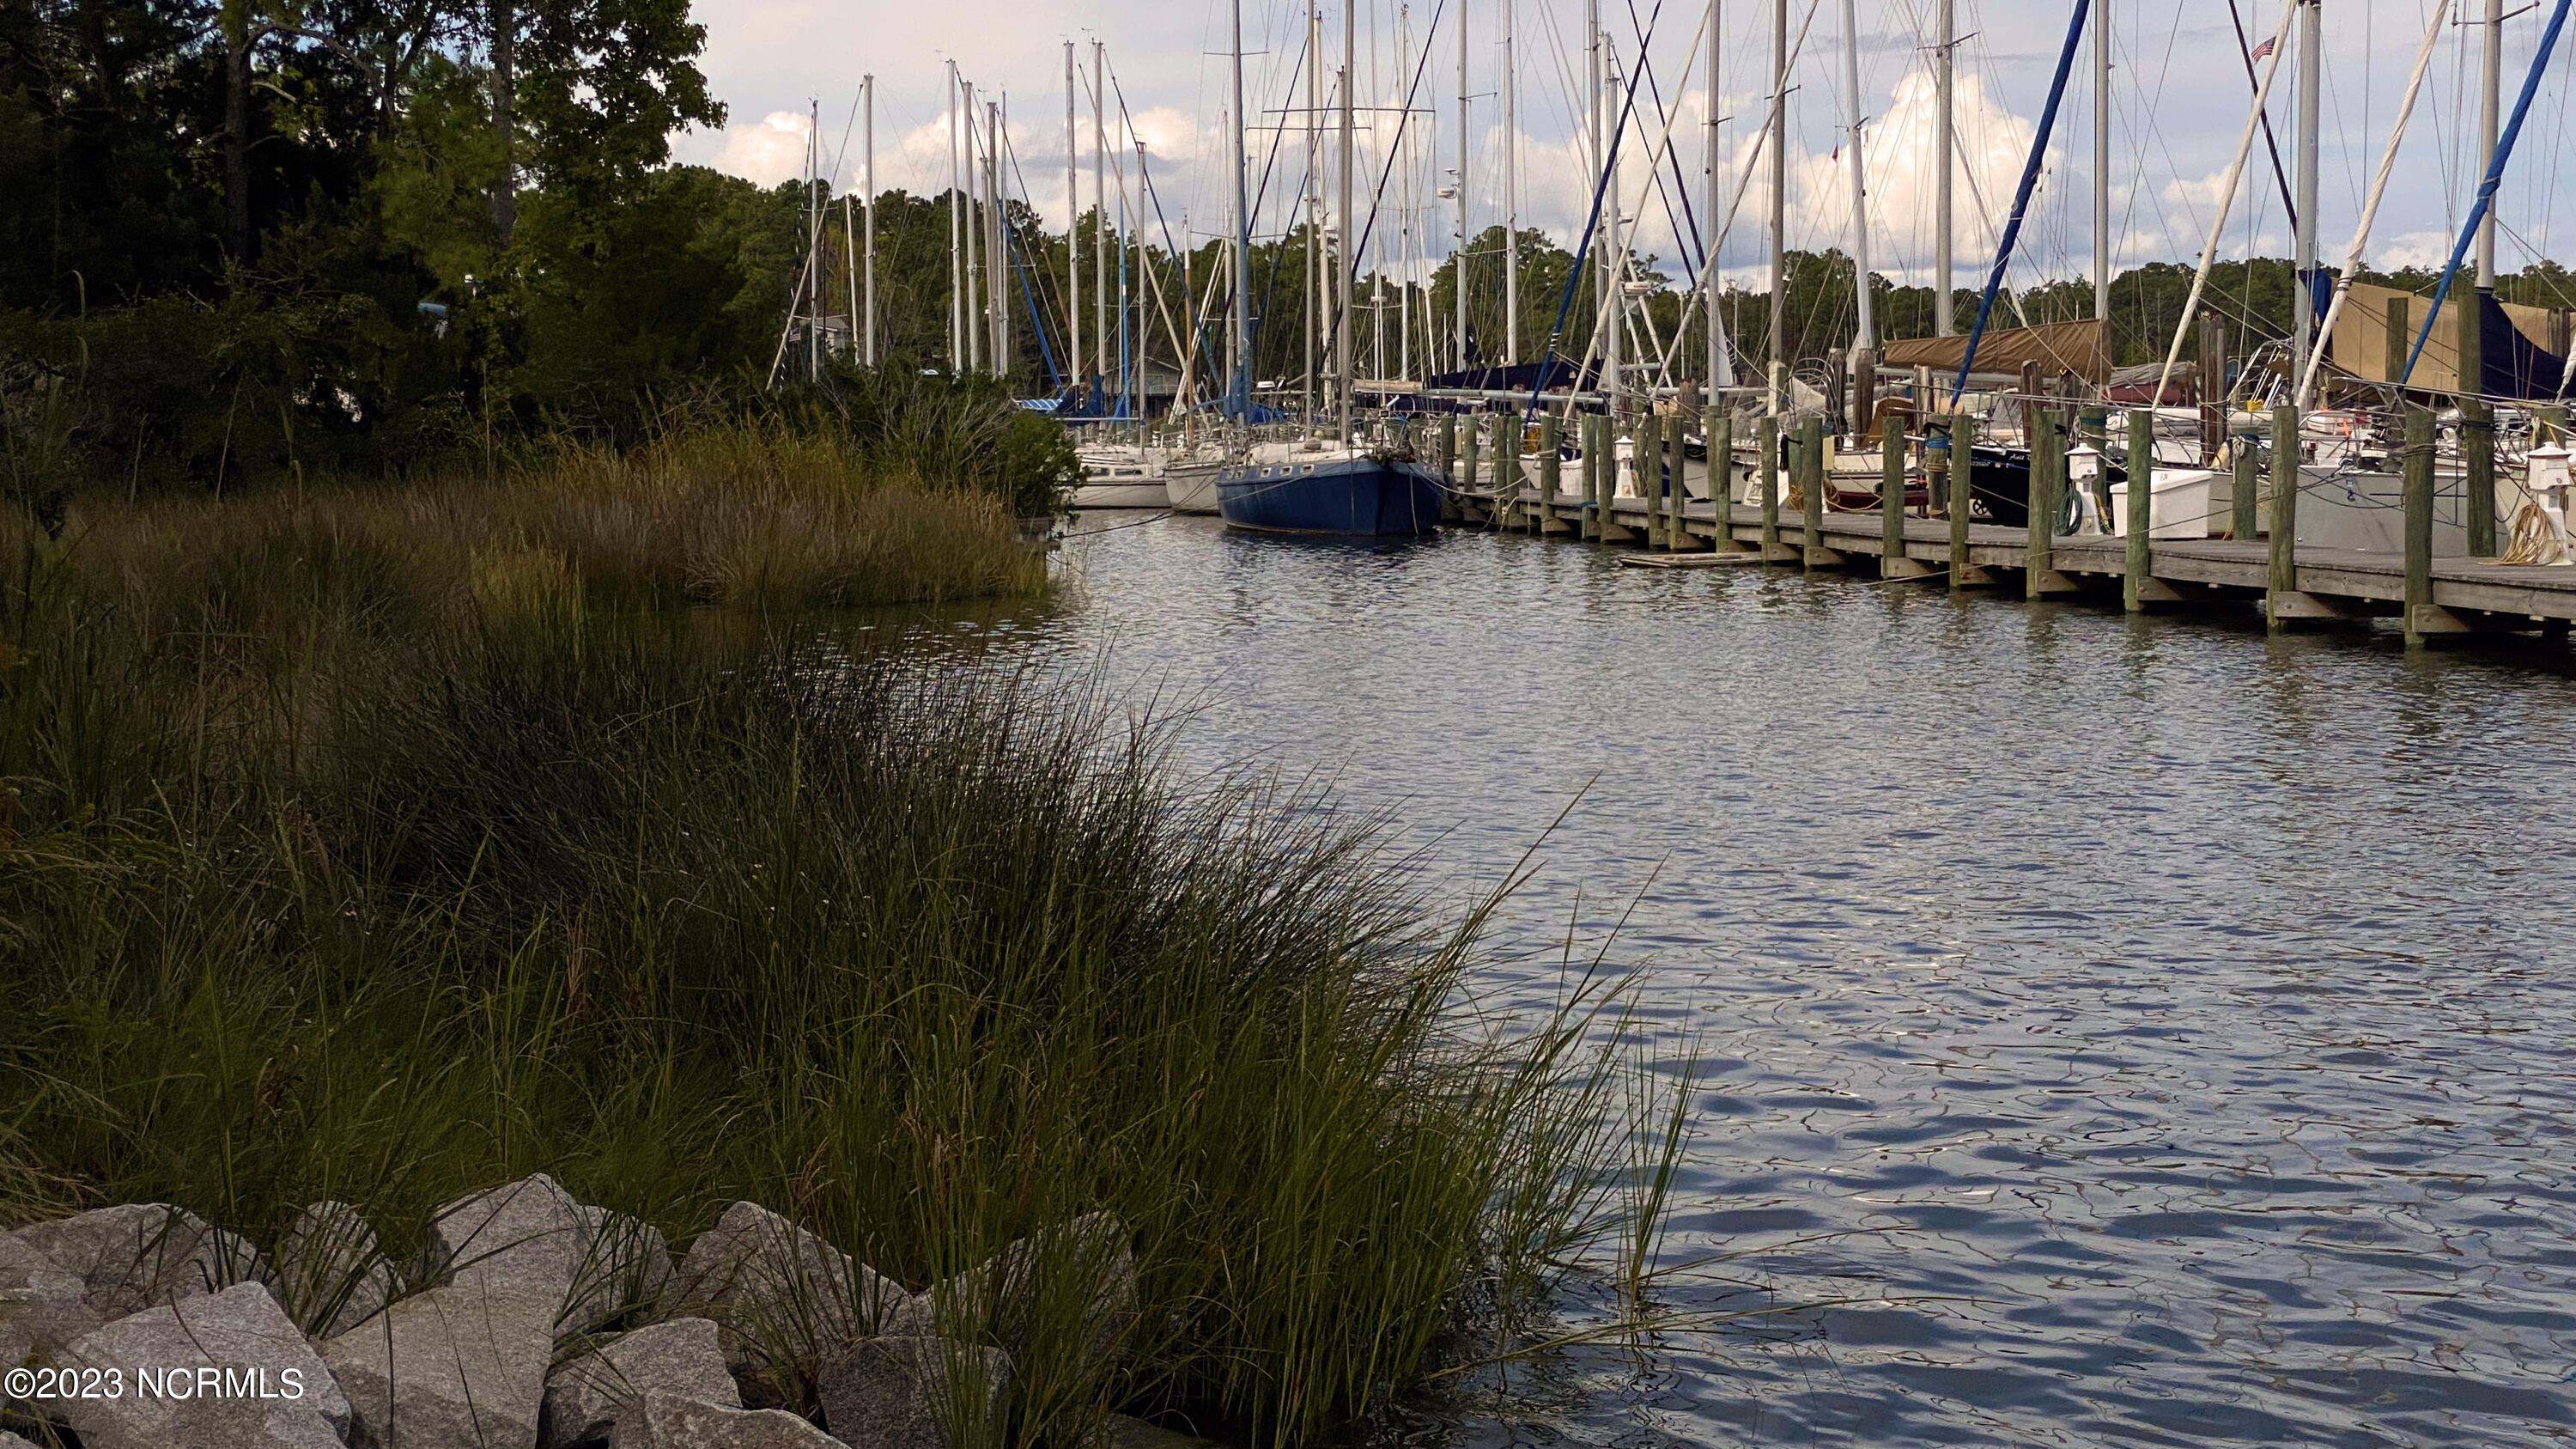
2158,1029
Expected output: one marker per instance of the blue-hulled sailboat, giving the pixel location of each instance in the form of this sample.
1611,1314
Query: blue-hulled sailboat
1310,486
1313,488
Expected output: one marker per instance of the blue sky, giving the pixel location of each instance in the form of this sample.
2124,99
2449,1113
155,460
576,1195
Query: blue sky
2179,97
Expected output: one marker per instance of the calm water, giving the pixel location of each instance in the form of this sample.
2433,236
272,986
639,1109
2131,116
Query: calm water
2162,1031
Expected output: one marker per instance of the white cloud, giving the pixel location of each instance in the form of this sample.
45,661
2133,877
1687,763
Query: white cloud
767,153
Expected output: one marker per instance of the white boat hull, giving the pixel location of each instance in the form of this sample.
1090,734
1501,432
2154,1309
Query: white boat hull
1144,493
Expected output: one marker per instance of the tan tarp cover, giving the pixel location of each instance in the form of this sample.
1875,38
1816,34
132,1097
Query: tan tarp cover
2361,335
2075,347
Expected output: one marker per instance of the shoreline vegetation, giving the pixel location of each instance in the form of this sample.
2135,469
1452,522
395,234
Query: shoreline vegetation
382,844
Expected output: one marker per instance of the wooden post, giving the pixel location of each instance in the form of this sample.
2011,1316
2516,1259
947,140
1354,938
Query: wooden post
2213,387
2029,394
1677,455
2244,511
1551,473
2282,600
1467,463
1507,458
1646,465
2142,496
1936,465
2401,335
2047,482
2418,477
1963,479
1891,495
1590,524
1718,426
1864,386
1767,471
2477,460
1811,491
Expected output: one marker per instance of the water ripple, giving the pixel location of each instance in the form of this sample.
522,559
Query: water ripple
2147,1031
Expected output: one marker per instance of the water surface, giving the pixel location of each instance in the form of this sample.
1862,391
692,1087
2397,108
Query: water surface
2157,1030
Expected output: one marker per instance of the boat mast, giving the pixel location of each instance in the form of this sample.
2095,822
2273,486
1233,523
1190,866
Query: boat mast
1945,120
1614,258
1866,339
1314,198
1511,202
2304,263
1404,213
1458,265
814,239
956,282
997,290
1101,230
1144,333
1073,221
1343,275
970,322
2102,166
1718,363
1779,205
1239,386
2490,75
868,208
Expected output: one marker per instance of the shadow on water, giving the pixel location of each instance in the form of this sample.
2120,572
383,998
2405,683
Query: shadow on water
2146,1032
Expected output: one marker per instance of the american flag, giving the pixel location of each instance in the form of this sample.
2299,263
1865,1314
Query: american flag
2264,49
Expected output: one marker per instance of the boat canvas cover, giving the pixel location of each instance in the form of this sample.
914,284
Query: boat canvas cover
2076,347
2513,343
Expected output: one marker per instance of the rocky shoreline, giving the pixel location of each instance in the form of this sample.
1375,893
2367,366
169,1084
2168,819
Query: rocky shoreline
529,1321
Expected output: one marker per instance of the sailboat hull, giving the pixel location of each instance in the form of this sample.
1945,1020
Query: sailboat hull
1345,496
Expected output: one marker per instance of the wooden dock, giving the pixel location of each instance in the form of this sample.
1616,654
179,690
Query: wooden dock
2332,584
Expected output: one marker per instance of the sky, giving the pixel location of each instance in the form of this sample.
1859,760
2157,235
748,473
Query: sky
2179,98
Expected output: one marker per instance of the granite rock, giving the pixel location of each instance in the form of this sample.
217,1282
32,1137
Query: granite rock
143,1255
896,1393
227,1370
43,1305
784,1296
458,1367
329,1275
669,1421
588,1398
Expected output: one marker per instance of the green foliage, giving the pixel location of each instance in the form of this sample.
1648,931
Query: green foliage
933,425
339,868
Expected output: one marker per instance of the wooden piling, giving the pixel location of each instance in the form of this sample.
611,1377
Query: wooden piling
2477,459
2400,332
2141,512
1551,474
1767,471
1891,494
1677,453
2047,485
1719,428
1449,449
1468,461
1585,430
2283,602
2424,618
1963,475
2245,518
1811,493
1646,464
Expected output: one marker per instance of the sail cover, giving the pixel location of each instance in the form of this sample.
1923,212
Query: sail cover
2076,347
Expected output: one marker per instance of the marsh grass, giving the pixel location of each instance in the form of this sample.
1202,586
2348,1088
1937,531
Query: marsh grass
381,849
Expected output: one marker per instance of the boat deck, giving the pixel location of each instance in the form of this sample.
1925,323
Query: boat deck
2332,583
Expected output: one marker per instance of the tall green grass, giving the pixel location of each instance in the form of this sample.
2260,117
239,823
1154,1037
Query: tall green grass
332,872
